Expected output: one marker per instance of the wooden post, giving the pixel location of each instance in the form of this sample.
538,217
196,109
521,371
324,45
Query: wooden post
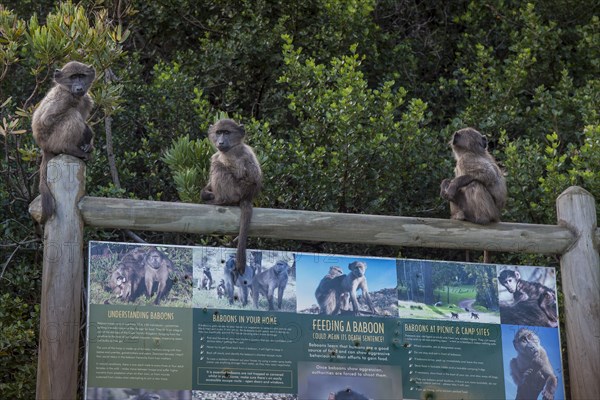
57,375
580,272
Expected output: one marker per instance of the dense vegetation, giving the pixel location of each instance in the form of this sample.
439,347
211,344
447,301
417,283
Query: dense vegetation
349,103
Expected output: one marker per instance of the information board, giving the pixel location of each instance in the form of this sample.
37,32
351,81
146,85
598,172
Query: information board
181,323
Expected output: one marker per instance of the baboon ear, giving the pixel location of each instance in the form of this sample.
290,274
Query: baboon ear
243,129
57,74
484,142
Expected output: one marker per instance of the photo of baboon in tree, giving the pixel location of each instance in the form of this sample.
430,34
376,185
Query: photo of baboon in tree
344,285
532,363
268,282
140,274
447,291
527,296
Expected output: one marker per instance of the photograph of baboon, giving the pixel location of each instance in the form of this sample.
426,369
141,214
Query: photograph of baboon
447,291
121,273
344,285
349,382
268,282
527,296
201,395
93,393
532,363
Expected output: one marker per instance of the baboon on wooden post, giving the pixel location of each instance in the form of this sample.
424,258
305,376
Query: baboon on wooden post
59,123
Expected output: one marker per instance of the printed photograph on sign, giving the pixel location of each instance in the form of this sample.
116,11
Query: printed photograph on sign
447,291
528,296
136,394
329,381
236,395
140,275
342,285
268,282
532,363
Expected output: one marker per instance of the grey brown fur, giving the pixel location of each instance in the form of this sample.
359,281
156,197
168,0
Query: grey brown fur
235,178
531,369
329,292
520,288
234,279
355,280
267,281
478,191
127,280
59,123
157,267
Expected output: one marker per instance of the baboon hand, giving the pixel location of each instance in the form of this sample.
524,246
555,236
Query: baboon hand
547,395
447,190
207,195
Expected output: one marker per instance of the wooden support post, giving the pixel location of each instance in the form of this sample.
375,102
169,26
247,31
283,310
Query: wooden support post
580,272
57,375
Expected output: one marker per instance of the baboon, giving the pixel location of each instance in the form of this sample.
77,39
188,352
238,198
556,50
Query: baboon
59,123
347,394
356,279
532,312
235,178
329,291
221,289
268,280
207,280
474,315
453,315
127,280
157,267
478,191
519,288
531,369
119,283
233,278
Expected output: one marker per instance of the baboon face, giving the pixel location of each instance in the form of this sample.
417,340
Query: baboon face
226,134
75,77
509,280
138,253
121,286
526,342
469,139
280,266
358,268
154,259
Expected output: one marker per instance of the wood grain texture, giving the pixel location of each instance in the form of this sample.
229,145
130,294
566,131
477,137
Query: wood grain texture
322,226
61,283
580,272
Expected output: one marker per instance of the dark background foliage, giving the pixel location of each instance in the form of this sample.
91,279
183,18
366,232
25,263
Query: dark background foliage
349,104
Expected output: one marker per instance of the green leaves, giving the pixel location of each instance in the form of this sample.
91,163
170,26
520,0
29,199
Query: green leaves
189,161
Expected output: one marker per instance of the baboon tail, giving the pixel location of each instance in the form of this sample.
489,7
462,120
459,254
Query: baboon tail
245,217
47,198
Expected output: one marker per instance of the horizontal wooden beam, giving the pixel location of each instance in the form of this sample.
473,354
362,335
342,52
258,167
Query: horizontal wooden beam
322,226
